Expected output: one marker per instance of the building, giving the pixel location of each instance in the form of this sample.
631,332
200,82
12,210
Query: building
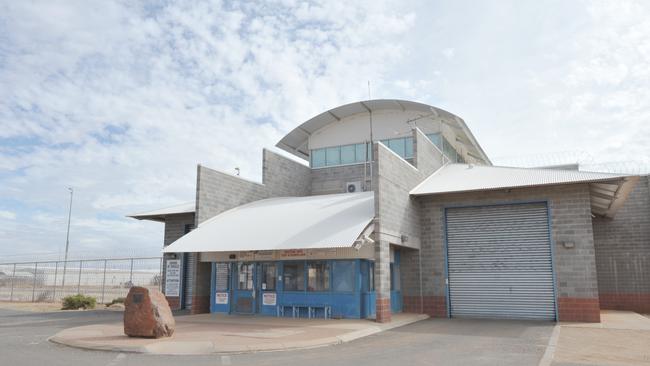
417,221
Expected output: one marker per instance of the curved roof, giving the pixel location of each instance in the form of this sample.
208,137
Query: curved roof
312,222
296,141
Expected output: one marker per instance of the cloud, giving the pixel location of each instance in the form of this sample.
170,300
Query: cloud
122,100
8,215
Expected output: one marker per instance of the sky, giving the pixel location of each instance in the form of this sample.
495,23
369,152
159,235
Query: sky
122,99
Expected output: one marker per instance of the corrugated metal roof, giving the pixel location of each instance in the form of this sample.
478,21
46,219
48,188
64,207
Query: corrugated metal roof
608,191
159,214
468,177
325,221
295,141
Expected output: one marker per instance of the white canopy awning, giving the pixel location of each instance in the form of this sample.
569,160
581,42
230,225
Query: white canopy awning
326,221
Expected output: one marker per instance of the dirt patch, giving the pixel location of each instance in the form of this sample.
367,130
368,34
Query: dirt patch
31,306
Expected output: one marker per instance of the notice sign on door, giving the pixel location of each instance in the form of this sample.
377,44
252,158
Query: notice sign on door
221,298
269,298
173,277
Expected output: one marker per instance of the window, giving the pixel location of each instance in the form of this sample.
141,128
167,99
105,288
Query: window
343,276
341,155
348,154
436,138
318,276
408,147
222,274
333,155
402,146
245,276
188,228
294,276
268,276
360,153
318,158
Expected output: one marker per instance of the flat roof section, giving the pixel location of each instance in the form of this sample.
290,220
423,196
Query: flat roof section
325,221
159,214
608,191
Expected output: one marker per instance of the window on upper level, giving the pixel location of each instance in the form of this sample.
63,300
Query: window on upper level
340,155
358,153
446,147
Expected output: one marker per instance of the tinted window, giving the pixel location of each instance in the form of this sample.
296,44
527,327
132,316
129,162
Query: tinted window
294,276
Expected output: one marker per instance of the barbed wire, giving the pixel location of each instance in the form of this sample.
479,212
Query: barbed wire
583,159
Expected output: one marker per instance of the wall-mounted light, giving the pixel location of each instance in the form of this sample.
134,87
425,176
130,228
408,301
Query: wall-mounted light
568,244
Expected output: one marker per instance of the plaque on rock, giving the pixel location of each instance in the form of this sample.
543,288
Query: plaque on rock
147,314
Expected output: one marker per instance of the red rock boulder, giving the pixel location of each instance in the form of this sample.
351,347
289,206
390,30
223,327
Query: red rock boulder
147,314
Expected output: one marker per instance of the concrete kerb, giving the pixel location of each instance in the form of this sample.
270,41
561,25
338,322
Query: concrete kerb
176,347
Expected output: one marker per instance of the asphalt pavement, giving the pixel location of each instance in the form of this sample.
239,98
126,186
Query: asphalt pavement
23,341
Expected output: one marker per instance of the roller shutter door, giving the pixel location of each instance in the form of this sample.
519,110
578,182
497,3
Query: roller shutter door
188,278
499,262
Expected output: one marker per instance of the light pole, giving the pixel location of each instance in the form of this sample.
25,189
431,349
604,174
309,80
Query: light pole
67,239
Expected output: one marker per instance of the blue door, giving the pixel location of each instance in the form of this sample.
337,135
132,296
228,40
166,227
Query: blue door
266,288
395,284
244,290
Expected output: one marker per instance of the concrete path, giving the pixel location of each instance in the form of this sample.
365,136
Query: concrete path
229,334
621,338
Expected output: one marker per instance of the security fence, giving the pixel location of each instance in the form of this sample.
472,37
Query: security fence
51,281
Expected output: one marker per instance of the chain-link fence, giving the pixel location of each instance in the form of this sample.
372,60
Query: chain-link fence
50,281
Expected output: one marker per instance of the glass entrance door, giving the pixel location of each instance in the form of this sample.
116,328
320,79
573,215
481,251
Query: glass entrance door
266,288
245,289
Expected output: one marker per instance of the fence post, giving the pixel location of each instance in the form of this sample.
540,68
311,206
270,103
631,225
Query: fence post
131,274
56,273
79,279
104,280
13,277
34,282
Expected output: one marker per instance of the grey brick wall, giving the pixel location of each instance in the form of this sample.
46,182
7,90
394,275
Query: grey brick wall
174,229
333,180
217,192
570,222
175,226
397,212
285,177
623,250
426,156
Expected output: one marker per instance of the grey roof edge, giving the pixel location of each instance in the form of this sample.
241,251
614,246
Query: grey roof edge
595,180
152,215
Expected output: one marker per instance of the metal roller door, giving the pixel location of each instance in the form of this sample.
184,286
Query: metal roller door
499,262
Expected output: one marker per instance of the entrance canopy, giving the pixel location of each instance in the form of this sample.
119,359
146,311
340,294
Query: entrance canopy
326,221
607,191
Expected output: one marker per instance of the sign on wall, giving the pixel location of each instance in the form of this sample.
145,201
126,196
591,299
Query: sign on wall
173,278
269,298
221,298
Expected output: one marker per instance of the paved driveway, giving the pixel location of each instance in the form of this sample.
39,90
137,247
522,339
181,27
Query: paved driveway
23,341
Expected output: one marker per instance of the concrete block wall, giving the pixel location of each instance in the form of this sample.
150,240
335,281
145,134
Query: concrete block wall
398,215
623,253
576,282
426,155
284,177
331,180
174,229
217,192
